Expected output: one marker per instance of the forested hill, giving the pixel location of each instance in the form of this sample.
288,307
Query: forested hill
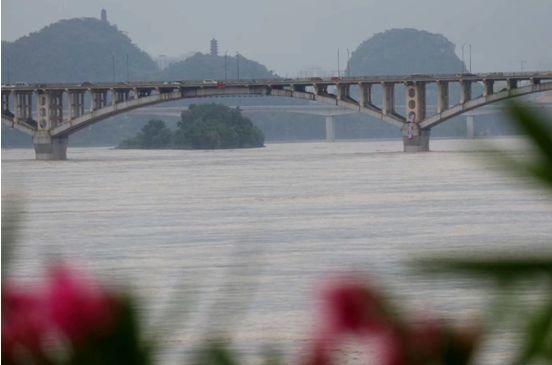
202,66
403,52
75,50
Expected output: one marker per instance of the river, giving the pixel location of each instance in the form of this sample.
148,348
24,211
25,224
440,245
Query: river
255,230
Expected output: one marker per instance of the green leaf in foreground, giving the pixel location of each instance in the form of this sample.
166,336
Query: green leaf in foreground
539,133
492,267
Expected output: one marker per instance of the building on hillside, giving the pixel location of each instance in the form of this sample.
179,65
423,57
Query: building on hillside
214,47
103,16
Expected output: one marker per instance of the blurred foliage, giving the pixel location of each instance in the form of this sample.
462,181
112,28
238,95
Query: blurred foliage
539,131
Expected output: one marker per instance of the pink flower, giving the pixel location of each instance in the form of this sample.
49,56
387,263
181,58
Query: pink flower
394,349
24,323
78,307
352,307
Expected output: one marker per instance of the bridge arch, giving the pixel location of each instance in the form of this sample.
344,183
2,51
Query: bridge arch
482,101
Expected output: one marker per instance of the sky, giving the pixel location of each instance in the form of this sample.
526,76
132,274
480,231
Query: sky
290,36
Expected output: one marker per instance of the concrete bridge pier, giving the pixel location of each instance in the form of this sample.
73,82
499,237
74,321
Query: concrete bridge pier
49,148
470,127
330,128
415,139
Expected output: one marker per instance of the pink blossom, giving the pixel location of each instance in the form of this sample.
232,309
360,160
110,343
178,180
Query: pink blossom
24,322
351,307
78,307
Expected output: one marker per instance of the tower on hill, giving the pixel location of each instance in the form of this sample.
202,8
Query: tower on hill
214,47
103,16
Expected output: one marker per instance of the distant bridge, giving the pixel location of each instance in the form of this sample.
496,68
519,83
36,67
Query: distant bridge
50,130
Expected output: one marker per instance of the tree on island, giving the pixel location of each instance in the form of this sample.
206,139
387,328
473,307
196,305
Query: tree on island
154,135
214,126
209,126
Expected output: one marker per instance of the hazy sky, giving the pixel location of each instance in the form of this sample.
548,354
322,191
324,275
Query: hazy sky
291,35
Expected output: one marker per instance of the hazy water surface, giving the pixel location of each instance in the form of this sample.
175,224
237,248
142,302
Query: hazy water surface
262,226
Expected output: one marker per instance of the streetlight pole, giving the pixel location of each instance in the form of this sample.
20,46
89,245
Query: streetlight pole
338,65
463,62
226,66
470,58
523,62
348,63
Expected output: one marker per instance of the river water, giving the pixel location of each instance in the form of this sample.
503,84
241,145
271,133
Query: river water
239,239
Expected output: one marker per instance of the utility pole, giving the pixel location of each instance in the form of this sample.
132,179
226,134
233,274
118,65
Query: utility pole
113,64
8,70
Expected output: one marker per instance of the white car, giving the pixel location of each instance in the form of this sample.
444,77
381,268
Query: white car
209,82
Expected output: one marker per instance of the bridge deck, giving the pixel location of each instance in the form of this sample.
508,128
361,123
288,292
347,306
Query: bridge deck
395,79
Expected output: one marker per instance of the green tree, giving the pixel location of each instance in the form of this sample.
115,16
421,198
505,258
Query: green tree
214,126
154,135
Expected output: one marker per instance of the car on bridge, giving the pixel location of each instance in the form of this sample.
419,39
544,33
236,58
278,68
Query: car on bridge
209,82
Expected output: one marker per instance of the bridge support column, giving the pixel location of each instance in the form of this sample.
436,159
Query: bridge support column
23,106
466,91
330,128
365,94
488,87
442,96
470,127
99,99
76,101
49,148
6,102
388,98
415,139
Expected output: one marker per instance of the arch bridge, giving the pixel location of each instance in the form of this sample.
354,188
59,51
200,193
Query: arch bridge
50,128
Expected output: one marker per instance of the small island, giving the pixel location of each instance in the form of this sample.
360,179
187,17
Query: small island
208,126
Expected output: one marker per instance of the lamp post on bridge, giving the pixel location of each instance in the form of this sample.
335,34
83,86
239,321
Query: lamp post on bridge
470,48
338,65
225,65
470,57
348,63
